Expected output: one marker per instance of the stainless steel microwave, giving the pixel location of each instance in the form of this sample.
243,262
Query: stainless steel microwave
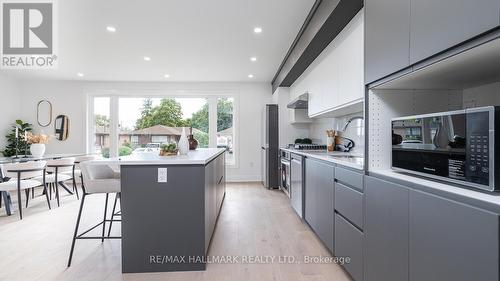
455,146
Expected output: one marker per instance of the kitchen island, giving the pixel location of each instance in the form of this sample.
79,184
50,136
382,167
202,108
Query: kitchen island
170,206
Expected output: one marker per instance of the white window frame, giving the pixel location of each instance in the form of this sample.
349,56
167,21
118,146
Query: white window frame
115,96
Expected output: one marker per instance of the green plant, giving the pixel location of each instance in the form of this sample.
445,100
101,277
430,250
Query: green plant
10,149
124,151
168,147
105,152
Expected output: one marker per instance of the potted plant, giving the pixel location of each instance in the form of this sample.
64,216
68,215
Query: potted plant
37,144
16,142
168,149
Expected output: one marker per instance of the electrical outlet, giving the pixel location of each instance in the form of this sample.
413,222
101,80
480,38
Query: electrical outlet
162,175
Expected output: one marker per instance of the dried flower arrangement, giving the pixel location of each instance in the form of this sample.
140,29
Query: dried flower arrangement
40,138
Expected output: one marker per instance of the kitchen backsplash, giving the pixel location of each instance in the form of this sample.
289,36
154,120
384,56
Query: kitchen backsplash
355,130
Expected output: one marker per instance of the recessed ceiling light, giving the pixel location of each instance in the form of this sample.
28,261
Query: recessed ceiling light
253,59
80,74
257,29
167,75
111,28
250,75
147,58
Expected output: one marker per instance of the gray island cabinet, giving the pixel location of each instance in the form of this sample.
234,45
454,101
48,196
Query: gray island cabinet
168,220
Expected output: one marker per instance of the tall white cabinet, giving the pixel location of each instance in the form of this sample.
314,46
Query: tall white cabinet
336,78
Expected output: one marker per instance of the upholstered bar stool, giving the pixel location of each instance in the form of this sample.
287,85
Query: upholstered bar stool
22,178
97,178
76,173
56,177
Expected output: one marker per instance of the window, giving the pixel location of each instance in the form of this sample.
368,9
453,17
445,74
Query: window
101,120
144,122
225,128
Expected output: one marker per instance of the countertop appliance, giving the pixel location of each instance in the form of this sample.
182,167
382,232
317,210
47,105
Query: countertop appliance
455,146
285,171
297,184
270,147
301,146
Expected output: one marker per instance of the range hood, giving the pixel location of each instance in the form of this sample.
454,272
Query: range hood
301,102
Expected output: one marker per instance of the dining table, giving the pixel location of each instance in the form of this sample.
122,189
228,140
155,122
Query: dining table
5,195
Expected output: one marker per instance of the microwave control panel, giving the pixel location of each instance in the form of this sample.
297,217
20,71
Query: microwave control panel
478,150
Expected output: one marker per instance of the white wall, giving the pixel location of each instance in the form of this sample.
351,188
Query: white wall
483,95
70,98
11,104
355,131
288,133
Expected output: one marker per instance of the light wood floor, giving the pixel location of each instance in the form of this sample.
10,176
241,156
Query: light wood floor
253,222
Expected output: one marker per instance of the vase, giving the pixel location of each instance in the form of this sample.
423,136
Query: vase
183,143
193,143
37,150
441,139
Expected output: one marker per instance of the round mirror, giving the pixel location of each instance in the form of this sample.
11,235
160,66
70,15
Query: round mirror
44,113
62,127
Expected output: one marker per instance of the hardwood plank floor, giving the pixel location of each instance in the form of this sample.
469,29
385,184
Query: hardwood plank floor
253,222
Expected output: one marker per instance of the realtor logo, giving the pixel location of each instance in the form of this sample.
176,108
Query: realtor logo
28,35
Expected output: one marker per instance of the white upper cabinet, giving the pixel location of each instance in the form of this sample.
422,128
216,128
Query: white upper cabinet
336,77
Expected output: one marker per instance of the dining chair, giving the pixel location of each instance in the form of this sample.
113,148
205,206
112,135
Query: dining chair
97,178
23,176
56,177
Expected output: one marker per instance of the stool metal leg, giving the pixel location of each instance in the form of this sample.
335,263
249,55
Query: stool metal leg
27,191
76,231
75,188
104,220
113,214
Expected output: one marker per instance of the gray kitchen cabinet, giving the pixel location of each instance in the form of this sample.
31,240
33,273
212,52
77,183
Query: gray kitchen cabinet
387,47
319,200
438,25
451,241
214,194
386,231
349,243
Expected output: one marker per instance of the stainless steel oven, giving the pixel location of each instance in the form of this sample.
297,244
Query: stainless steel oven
285,172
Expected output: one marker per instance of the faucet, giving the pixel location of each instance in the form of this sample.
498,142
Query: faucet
350,120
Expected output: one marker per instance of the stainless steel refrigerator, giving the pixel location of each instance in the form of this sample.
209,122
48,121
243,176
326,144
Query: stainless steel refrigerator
270,147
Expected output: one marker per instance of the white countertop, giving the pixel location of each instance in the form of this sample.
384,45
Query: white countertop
352,162
201,156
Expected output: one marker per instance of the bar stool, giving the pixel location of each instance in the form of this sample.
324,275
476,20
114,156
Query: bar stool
96,179
22,178
56,175
77,172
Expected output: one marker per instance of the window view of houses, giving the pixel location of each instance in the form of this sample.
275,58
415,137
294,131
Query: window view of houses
146,123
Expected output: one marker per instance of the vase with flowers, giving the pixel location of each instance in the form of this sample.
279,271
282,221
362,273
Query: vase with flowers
37,144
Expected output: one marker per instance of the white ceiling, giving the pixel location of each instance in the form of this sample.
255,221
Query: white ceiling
196,40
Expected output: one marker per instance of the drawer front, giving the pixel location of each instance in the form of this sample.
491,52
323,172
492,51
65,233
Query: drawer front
350,178
349,203
349,243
